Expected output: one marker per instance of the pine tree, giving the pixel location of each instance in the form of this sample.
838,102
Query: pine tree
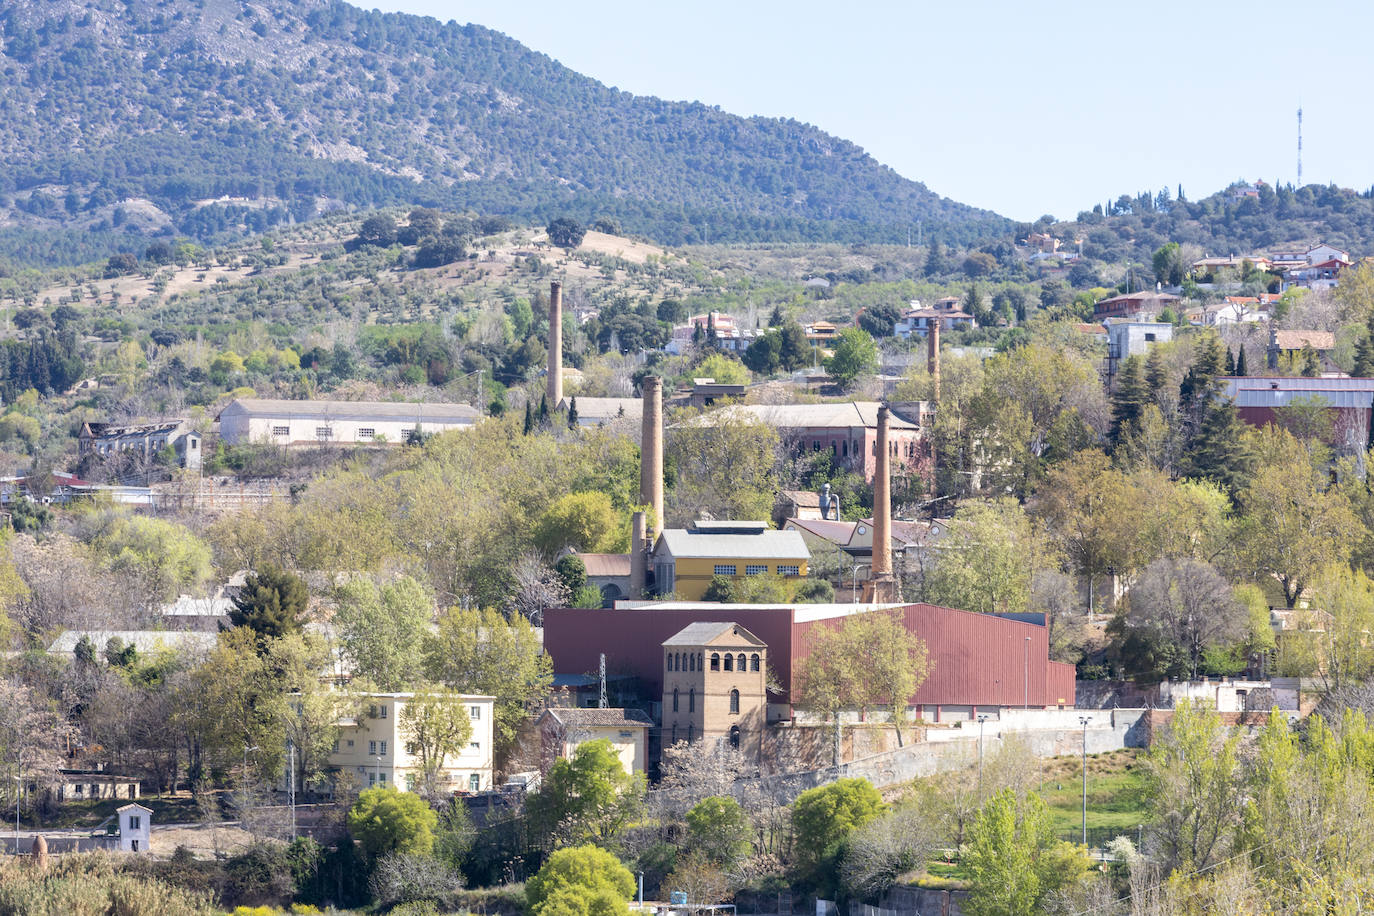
776,319
1364,352
1240,362
572,413
1156,373
1218,451
1311,365
1129,398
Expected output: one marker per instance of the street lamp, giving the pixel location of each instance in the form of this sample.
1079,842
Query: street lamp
1084,720
981,720
18,797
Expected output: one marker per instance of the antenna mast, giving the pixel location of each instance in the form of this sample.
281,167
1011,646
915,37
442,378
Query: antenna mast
603,704
1300,145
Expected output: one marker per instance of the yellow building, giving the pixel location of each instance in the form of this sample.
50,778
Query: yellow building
686,559
562,729
373,747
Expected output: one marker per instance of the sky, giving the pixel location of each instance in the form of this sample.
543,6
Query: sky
1022,108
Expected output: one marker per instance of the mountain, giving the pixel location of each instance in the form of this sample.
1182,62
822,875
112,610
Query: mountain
211,118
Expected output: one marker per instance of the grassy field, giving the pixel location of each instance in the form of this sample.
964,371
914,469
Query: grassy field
1116,803
89,814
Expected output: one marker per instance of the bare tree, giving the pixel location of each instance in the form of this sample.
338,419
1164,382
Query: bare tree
537,587
1188,604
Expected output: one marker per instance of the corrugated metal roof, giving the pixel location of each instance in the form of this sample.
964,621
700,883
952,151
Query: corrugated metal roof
1264,397
765,545
1231,384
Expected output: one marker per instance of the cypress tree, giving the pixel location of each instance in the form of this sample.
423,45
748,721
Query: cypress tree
1240,362
572,413
529,418
935,258
1156,373
1217,452
544,408
1230,362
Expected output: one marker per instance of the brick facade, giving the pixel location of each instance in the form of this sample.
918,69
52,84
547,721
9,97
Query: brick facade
714,686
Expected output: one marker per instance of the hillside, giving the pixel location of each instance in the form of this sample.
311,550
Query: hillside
232,117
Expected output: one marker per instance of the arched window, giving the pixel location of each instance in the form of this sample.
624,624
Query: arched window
692,700
734,737
675,733
715,661
691,730
674,699
669,661
734,702
844,448
729,662
739,663
754,662
692,662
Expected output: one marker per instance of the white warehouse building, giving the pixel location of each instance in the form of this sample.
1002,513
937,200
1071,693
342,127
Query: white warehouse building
282,422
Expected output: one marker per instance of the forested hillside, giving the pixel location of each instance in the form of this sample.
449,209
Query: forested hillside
235,116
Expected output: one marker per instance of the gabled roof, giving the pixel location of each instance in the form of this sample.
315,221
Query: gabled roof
847,414
1296,340
572,717
346,410
706,634
765,545
606,408
804,499
605,564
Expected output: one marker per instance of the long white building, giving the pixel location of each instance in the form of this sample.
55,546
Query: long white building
282,422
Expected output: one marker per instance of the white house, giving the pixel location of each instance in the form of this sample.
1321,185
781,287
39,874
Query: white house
282,422
135,828
375,748
1133,338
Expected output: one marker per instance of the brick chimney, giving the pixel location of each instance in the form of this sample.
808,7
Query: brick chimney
555,379
933,357
651,454
881,586
639,557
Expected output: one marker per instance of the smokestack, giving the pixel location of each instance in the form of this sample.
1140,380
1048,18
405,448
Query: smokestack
555,380
882,502
639,560
881,587
933,357
651,453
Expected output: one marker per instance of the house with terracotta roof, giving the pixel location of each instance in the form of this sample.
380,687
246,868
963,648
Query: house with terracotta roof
1142,306
1286,347
562,730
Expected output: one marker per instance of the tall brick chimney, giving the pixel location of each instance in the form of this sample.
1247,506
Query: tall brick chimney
554,390
651,454
881,586
933,357
639,556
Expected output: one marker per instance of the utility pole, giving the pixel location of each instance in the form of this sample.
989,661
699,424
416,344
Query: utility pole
1299,144
291,783
981,720
602,703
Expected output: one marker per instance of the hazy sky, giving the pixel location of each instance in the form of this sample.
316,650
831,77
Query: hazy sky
1023,108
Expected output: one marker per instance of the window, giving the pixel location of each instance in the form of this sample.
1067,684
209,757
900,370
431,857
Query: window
324,432
474,783
372,711
669,661
724,569
753,570
336,745
366,432
410,782
675,733
372,779
734,702
381,777
754,662
739,662
729,662
674,699
475,712
80,789
734,737
281,430
350,742
383,711
844,449
715,661
372,748
692,702
789,570
692,661
475,747
382,748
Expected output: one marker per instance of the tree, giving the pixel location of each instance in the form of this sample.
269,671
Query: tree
478,651
400,877
879,852
1015,861
719,829
585,522
271,603
1187,605
868,660
1364,350
763,356
588,799
1292,521
987,560
572,413
165,555
1346,596
566,232
880,320
1129,398
824,817
1169,264
1192,789
585,873
382,629
436,725
979,264
725,465
935,259
855,354
378,230
1219,450
726,370
386,820
701,879
794,350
